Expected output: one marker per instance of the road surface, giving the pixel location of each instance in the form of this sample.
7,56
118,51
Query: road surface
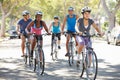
12,66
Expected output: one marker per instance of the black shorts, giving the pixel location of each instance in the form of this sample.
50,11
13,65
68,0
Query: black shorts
57,34
39,37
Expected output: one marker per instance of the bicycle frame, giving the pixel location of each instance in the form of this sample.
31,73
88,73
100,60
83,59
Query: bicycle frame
71,49
88,57
39,56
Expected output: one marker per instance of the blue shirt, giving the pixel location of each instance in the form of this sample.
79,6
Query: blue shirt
56,29
23,24
71,23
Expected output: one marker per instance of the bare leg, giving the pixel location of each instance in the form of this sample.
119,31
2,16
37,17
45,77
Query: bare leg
22,44
41,51
33,43
67,41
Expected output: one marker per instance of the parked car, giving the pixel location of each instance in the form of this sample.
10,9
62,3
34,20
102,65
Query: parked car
13,34
113,36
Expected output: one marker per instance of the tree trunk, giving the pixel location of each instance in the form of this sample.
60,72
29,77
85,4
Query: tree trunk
2,31
111,21
111,14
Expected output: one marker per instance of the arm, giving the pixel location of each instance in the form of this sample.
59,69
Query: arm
29,27
77,17
50,27
60,27
77,28
45,27
97,29
18,28
64,22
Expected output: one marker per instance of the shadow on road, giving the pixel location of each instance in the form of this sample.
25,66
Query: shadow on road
14,69
109,72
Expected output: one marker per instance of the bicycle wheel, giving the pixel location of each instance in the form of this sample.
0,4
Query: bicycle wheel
71,57
34,63
28,53
54,55
92,67
81,66
41,64
25,59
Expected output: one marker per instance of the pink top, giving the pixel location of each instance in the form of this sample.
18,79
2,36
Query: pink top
37,31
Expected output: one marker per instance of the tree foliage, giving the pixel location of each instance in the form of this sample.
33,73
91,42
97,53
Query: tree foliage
13,8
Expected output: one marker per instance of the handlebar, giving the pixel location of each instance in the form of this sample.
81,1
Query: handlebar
34,34
83,34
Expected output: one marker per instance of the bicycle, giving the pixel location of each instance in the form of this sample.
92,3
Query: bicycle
54,48
27,49
71,48
88,61
39,58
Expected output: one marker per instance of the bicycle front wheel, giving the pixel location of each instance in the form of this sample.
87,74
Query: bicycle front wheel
41,62
54,55
92,68
71,57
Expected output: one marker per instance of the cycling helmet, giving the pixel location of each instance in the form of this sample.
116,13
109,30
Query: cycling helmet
24,13
56,17
38,13
85,9
70,9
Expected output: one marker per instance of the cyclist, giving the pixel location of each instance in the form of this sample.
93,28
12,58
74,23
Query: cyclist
36,27
84,24
55,30
70,19
21,26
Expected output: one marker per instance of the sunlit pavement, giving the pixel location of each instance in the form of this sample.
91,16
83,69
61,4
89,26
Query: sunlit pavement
12,66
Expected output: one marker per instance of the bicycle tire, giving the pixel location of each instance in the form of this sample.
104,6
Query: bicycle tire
94,66
70,58
54,55
35,65
41,65
82,68
25,59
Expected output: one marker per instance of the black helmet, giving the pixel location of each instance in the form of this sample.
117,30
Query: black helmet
70,9
56,17
24,13
38,13
85,9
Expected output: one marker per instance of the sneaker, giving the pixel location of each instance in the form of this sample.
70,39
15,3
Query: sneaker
78,63
59,47
22,55
51,53
90,71
67,54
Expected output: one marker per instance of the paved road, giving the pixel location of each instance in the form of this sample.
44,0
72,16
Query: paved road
12,66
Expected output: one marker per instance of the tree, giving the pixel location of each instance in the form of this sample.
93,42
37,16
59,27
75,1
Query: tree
5,14
111,12
6,7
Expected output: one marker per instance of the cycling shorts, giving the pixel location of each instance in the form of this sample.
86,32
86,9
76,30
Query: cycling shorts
57,34
84,41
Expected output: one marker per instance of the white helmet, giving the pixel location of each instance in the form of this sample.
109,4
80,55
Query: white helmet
38,13
85,9
25,12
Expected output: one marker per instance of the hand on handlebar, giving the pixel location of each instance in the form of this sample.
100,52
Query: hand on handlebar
101,34
29,33
49,33
80,33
